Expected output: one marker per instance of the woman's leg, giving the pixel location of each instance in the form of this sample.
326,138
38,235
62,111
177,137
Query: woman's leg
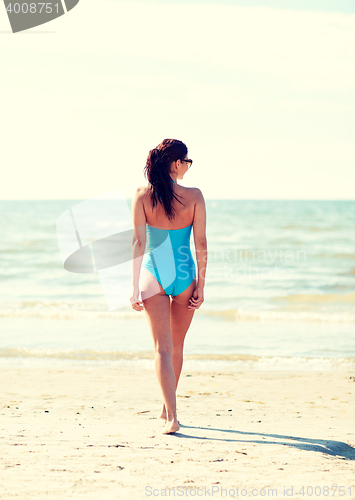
157,309
180,320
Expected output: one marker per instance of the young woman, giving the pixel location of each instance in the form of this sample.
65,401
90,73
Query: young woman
164,272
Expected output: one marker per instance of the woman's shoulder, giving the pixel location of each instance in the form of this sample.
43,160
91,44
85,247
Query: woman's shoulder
196,193
141,192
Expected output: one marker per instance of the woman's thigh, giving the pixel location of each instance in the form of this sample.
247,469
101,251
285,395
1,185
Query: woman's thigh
180,315
157,310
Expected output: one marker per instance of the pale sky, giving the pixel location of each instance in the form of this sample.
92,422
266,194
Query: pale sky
263,97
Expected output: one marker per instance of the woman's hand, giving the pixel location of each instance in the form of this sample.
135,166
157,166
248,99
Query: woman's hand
196,299
136,303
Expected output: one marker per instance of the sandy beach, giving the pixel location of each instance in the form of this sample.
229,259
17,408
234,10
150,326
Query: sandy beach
84,432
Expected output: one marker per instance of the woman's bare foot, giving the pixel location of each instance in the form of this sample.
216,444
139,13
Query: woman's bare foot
171,426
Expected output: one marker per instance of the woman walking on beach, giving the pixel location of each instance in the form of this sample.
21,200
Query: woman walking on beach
164,272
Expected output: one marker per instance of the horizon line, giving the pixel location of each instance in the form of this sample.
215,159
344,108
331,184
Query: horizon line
207,199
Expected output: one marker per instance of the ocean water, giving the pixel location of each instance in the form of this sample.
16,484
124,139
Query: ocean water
280,291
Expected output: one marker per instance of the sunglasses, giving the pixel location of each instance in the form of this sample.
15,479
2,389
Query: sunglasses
188,161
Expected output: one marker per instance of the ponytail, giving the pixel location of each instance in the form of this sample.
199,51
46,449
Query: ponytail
157,171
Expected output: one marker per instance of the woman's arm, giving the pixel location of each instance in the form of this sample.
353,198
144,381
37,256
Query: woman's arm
138,245
199,225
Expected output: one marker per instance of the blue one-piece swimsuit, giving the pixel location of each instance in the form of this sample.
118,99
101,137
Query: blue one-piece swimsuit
169,258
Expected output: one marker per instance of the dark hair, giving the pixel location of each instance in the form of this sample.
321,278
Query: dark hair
157,171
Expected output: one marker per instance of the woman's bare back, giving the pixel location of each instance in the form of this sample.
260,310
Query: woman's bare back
184,214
